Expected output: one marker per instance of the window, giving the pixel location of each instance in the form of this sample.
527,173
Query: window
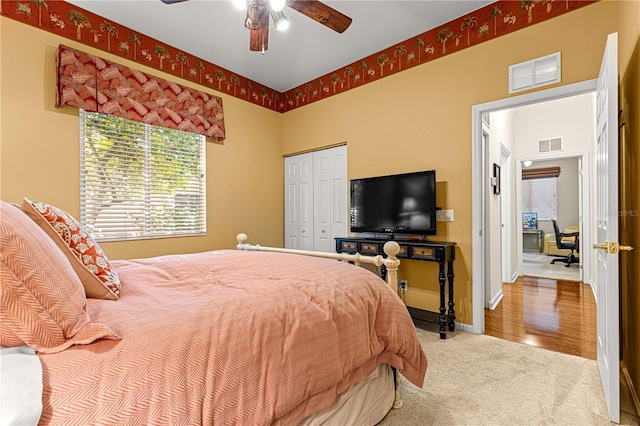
540,196
140,181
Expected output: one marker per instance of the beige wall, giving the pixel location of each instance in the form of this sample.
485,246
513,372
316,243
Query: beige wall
629,68
1,21
40,152
421,119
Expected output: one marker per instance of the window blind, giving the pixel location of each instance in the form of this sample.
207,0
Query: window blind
140,181
540,196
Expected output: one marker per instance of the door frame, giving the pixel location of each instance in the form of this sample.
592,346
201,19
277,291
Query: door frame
505,219
478,190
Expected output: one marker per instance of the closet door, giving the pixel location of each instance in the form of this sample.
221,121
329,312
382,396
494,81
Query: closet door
299,202
315,199
330,197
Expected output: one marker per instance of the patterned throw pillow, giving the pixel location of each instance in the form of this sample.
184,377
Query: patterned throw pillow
99,279
43,301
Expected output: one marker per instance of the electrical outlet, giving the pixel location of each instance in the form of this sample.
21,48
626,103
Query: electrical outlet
403,284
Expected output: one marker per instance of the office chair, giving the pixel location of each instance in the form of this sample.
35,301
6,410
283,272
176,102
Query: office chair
571,245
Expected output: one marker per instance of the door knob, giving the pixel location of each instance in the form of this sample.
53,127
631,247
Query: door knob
612,247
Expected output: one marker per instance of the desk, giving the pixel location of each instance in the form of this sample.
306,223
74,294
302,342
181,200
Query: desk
441,252
537,232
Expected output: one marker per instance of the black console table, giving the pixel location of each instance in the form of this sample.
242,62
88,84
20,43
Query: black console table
430,251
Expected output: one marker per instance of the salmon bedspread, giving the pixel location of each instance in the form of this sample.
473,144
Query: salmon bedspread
230,337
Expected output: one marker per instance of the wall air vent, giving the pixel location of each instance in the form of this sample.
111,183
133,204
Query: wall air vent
550,145
535,73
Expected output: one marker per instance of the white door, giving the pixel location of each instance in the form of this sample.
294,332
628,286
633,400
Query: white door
607,227
298,200
330,197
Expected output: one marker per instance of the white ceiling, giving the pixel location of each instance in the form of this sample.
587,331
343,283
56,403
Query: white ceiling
214,30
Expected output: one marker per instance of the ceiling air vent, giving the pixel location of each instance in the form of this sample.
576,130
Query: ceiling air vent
550,145
535,73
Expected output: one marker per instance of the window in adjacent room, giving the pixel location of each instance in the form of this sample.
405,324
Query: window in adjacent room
540,196
140,181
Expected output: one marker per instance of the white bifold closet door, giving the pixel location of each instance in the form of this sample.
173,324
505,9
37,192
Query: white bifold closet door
316,209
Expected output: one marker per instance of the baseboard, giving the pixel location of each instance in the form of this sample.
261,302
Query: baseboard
632,389
593,291
514,277
496,300
464,327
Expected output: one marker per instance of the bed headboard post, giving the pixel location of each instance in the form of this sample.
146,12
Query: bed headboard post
391,249
242,241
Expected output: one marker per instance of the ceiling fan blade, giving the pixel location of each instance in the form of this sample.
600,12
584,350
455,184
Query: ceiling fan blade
259,39
322,13
172,1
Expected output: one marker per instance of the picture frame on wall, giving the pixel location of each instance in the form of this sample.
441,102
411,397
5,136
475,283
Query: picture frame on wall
529,220
496,179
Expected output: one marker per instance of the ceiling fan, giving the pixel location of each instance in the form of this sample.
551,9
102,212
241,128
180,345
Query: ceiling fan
258,12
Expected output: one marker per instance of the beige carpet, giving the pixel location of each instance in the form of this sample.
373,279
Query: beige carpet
539,265
481,380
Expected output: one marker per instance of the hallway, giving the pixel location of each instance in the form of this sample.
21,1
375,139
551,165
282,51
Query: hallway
558,315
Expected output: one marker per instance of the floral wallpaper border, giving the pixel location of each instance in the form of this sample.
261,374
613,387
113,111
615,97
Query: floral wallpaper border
491,21
74,23
484,24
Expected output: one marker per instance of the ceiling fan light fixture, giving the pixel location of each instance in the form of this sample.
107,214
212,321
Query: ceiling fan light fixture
279,20
252,21
277,5
240,4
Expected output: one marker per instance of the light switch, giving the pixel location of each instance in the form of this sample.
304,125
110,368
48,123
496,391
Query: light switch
444,215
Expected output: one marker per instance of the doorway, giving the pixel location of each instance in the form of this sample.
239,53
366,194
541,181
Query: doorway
481,190
604,228
551,190
516,143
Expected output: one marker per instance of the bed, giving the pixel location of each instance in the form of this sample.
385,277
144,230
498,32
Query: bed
249,337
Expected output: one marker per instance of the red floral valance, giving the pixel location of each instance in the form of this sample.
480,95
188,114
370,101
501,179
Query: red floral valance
97,85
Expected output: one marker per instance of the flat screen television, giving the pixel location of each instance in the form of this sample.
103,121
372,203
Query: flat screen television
395,204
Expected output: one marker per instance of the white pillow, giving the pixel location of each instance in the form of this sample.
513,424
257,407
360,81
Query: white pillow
20,386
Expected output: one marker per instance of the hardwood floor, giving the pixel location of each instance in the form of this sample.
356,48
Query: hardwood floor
553,314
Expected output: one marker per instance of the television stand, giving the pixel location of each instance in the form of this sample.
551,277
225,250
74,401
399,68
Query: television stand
430,251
